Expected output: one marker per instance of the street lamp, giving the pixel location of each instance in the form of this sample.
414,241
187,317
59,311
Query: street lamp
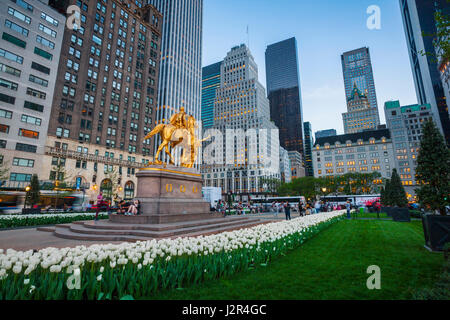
324,190
27,188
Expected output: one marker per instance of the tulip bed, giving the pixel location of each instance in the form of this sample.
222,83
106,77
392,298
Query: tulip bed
27,220
115,271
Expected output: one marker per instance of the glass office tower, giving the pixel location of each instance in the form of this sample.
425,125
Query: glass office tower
358,81
418,17
181,55
308,149
210,83
283,89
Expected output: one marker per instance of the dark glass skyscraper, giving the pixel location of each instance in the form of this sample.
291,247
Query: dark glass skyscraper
308,149
418,17
283,90
210,83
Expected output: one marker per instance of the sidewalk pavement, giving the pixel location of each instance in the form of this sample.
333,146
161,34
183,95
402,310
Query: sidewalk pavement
26,239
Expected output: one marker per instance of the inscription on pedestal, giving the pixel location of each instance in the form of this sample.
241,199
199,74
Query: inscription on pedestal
171,194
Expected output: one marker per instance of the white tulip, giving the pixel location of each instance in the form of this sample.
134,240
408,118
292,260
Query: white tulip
17,269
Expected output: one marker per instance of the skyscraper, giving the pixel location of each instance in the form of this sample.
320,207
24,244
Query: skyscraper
105,95
30,47
210,83
241,104
418,18
181,55
362,107
283,90
308,149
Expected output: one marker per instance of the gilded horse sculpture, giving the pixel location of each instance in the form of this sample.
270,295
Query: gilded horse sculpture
177,131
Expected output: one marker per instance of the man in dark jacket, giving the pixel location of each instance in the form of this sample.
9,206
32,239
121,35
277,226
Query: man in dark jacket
287,210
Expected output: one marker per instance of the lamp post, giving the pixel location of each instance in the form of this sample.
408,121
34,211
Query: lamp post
27,188
324,190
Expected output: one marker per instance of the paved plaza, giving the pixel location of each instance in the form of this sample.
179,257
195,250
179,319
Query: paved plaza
42,236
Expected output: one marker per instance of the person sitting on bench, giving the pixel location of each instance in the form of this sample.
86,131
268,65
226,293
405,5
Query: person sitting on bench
133,208
122,207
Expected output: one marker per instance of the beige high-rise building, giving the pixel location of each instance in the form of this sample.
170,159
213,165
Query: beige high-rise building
30,45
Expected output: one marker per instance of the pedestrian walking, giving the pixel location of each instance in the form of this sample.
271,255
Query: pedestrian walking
99,204
300,209
347,206
275,209
317,206
287,210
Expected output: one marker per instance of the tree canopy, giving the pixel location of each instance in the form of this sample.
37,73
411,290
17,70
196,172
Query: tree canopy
349,183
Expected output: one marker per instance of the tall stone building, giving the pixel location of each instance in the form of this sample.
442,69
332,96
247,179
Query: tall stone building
241,105
30,46
405,124
359,116
285,166
297,167
105,96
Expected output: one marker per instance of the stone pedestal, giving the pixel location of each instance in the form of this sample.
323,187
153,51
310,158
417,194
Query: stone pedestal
169,194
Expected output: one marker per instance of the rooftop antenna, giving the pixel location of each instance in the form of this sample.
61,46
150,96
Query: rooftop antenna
248,38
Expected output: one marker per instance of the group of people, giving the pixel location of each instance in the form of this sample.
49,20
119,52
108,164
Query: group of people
120,207
304,209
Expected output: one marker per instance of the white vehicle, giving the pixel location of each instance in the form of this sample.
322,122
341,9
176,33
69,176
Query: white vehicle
356,200
212,195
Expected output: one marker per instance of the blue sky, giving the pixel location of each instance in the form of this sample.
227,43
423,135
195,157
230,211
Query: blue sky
324,29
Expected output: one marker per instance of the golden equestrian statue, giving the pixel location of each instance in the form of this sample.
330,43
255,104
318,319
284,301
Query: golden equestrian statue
178,131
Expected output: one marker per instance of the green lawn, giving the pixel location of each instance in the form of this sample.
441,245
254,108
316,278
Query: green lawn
333,265
371,215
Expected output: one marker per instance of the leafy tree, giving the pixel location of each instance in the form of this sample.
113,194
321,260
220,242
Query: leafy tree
398,193
4,170
441,38
433,169
308,187
60,175
114,177
32,196
271,184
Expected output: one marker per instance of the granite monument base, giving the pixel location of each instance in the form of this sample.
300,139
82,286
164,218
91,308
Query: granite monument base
168,194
